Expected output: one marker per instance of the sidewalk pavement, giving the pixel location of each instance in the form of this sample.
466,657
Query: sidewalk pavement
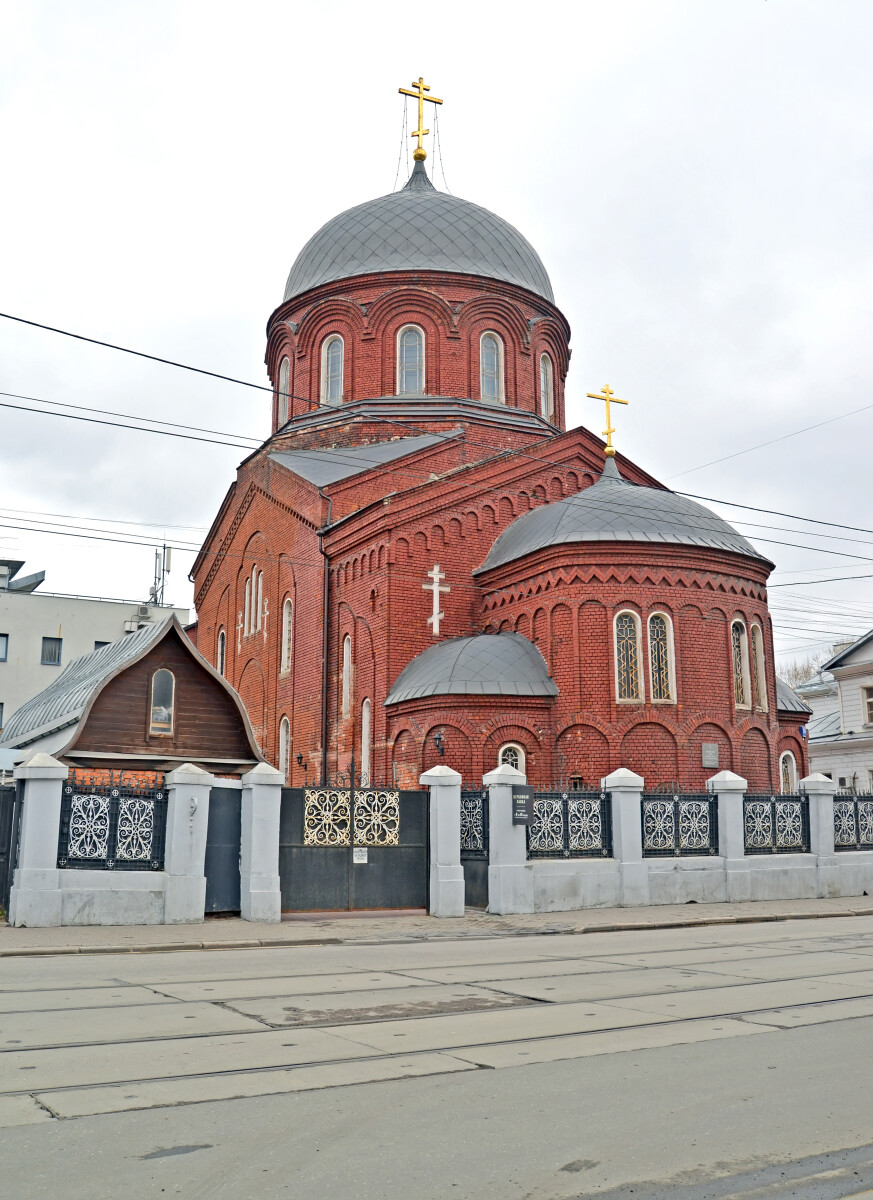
365,927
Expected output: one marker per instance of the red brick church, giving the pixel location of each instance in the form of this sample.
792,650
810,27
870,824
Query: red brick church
423,565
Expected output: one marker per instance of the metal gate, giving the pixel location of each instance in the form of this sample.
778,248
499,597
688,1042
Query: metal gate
10,815
223,831
474,846
346,848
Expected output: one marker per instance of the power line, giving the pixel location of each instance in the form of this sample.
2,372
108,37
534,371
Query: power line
28,513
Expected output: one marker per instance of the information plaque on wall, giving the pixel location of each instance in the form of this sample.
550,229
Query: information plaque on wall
522,805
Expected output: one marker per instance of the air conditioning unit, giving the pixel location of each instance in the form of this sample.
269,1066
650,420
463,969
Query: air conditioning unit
143,611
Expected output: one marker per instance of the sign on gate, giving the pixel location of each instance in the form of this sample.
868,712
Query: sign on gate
522,805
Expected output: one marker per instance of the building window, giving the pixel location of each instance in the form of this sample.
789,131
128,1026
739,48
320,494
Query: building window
221,656
788,773
511,755
740,661
284,746
257,622
100,645
1,716
51,652
491,368
287,636
661,657
410,361
867,696
628,682
247,606
347,675
284,388
366,739
758,667
4,646
332,363
163,702
547,387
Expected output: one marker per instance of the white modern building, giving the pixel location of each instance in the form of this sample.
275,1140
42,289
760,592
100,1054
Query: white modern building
40,632
841,726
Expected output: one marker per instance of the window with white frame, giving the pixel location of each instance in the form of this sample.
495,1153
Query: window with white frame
247,607
260,611
491,368
366,742
51,651
410,361
284,746
788,773
740,665
628,677
287,636
4,646
332,367
547,387
661,668
221,653
284,388
867,699
347,676
163,703
511,755
758,668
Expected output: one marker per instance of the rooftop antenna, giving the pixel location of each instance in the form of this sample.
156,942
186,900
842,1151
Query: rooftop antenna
163,560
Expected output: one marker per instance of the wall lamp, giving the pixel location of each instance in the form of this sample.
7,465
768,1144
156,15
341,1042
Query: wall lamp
439,742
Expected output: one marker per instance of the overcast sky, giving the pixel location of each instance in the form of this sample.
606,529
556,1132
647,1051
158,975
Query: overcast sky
696,175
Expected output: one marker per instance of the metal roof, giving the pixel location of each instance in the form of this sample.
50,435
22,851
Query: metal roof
827,725
614,510
322,467
839,659
487,664
787,700
66,698
418,229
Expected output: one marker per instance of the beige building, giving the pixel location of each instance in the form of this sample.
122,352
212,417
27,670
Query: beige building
841,726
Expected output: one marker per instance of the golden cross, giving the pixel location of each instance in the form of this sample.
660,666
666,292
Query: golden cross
609,397
420,154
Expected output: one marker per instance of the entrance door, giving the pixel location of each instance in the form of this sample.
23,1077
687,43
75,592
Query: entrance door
342,849
223,831
474,846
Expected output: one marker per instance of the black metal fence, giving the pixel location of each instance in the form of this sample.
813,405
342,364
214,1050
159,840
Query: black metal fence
776,824
680,824
570,825
853,821
474,823
112,828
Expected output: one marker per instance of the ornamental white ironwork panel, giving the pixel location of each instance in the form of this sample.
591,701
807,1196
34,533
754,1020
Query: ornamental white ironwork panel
758,822
546,830
377,818
89,827
845,827
776,824
136,829
853,822
327,817
694,825
571,824
789,825
585,824
679,824
659,825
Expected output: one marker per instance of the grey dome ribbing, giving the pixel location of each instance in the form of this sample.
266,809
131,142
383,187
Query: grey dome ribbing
613,510
418,229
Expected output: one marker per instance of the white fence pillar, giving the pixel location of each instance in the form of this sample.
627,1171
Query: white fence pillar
510,879
731,790
260,893
185,853
36,895
626,789
820,792
446,872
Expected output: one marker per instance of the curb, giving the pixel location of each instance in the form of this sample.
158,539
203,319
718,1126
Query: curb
281,943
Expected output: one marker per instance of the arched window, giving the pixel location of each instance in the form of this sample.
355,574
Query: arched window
347,675
788,773
284,388
366,739
491,368
547,387
259,614
758,663
284,746
163,703
247,611
221,655
332,361
511,755
410,361
740,663
661,658
287,636
628,680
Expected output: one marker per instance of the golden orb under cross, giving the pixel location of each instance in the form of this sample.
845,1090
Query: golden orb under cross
419,153
608,396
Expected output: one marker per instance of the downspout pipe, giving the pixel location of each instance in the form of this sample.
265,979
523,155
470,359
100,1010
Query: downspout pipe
324,635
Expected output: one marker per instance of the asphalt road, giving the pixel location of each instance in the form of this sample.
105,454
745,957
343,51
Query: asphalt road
726,1061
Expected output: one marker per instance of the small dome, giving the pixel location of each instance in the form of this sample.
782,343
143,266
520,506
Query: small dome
488,664
613,510
418,229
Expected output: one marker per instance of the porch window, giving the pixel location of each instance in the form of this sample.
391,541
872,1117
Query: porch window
163,703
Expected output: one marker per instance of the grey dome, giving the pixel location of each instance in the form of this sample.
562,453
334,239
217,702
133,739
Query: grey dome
613,510
487,664
418,229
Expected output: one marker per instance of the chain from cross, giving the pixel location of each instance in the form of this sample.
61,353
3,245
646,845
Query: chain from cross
608,396
420,154
437,587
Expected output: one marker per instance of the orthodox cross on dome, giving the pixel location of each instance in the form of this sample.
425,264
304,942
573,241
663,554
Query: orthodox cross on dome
437,587
420,154
608,396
